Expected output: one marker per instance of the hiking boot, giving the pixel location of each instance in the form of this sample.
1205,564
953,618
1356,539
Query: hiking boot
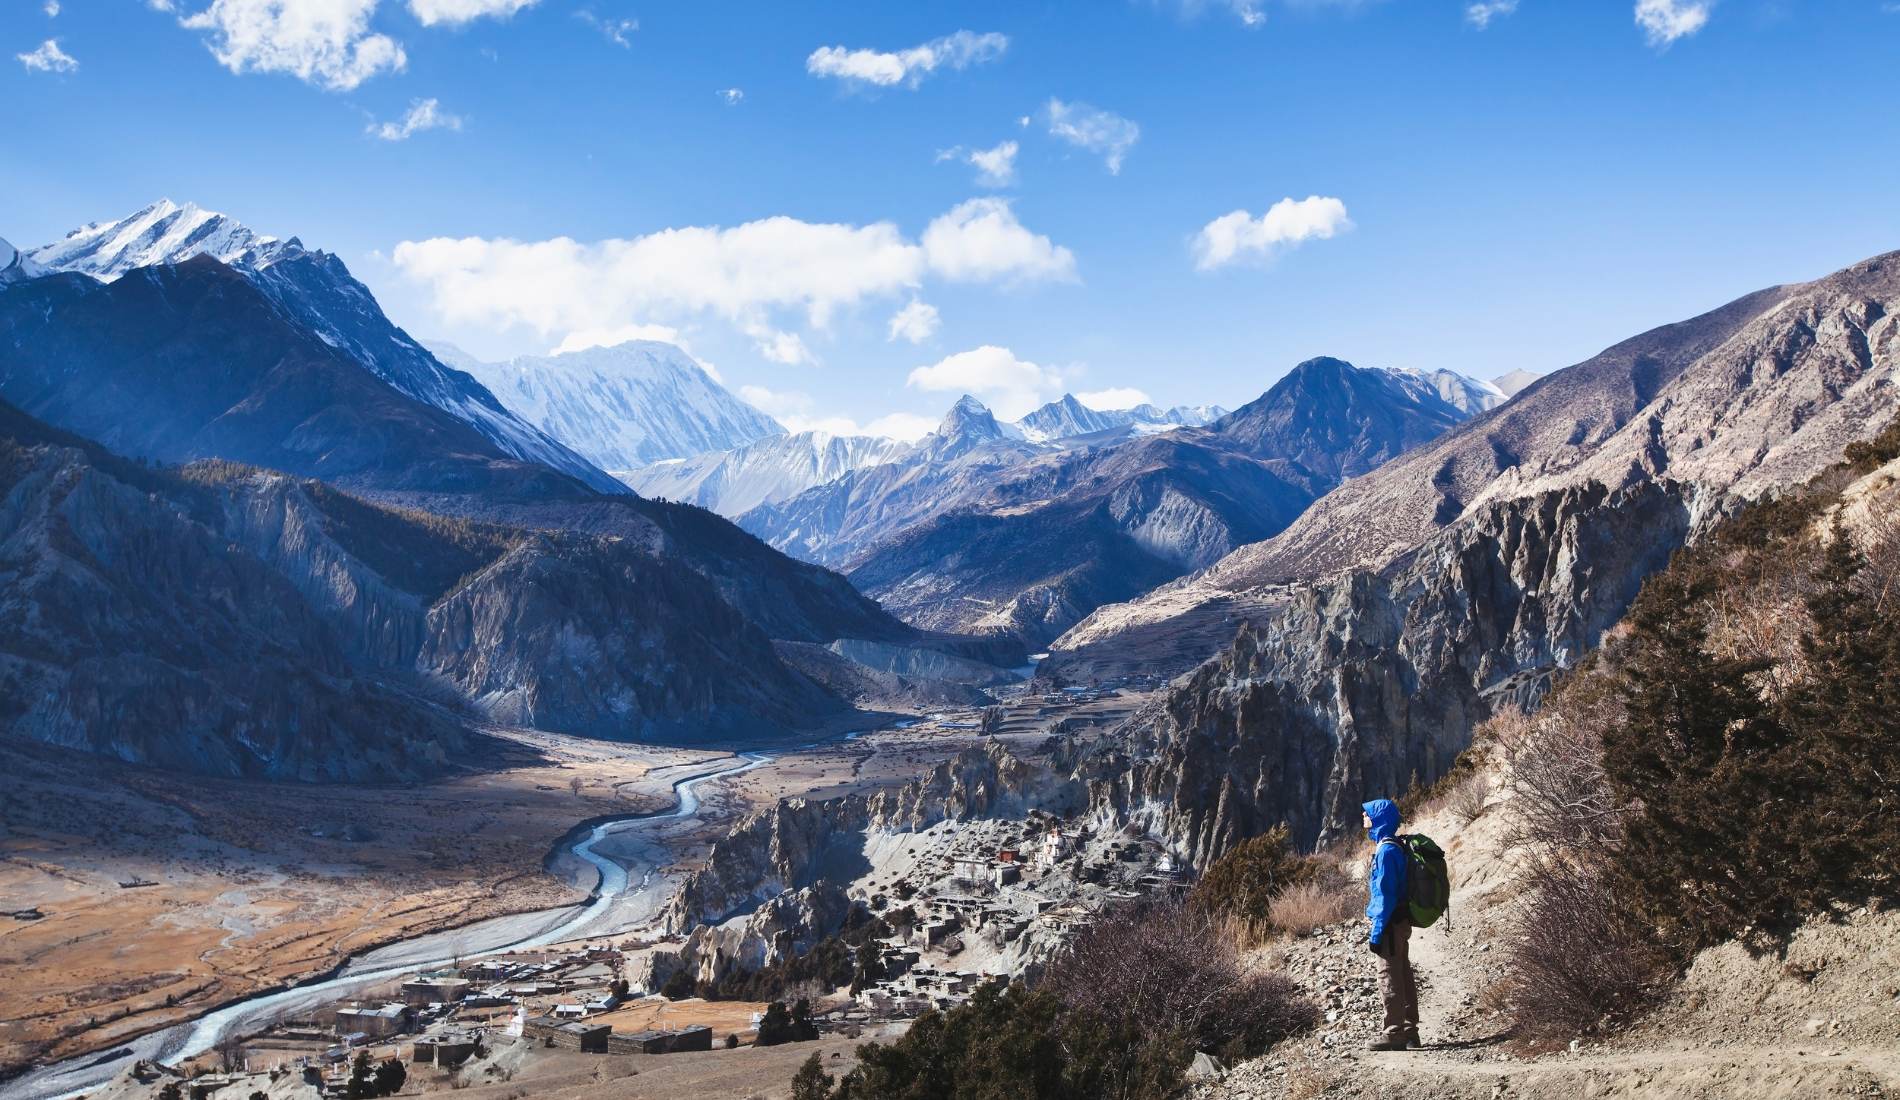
1391,1041
1412,1041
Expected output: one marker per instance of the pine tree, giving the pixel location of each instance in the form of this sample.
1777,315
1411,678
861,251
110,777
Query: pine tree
1849,713
775,1026
1699,759
811,1082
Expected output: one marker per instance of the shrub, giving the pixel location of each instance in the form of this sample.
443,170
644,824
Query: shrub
786,1025
811,1082
1007,1041
1178,962
1577,961
1119,1016
1243,883
1299,910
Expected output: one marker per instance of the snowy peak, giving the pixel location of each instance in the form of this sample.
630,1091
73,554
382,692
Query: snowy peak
162,233
1467,395
622,407
1511,382
1069,417
767,471
967,426
14,264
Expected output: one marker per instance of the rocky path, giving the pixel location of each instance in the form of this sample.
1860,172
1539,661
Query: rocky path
1821,1020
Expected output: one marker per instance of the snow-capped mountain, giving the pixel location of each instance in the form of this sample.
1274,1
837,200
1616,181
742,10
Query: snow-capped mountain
1068,417
14,264
319,291
765,471
1510,382
162,233
1467,395
625,406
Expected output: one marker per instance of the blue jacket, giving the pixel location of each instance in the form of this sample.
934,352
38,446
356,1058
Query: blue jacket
1387,884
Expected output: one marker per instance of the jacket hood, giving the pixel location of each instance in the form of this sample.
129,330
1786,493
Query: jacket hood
1385,818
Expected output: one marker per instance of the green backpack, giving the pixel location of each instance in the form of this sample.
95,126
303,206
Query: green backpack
1427,879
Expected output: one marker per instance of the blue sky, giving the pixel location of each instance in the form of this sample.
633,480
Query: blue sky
1516,195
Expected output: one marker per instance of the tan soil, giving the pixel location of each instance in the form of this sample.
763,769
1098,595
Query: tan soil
1820,1020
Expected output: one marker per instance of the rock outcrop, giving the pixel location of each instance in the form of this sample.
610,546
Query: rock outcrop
1358,686
1482,568
799,842
787,925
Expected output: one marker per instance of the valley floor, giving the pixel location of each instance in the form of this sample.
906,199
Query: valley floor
159,896
132,899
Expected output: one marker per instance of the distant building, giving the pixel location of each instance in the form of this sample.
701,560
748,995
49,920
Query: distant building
571,1035
447,1050
377,1022
417,992
697,1037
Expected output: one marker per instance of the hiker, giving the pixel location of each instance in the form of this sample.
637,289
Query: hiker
1391,919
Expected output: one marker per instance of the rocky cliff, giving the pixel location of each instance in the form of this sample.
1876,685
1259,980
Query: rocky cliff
132,630
1350,683
799,842
1358,686
1761,392
224,619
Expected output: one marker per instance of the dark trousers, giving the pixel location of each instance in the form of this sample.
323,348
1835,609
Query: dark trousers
1401,992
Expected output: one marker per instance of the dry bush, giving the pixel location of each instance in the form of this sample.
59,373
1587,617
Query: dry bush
1577,962
1299,910
1465,801
1176,964
1561,800
1309,1079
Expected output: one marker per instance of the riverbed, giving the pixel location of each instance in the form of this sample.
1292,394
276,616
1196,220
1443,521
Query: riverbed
626,895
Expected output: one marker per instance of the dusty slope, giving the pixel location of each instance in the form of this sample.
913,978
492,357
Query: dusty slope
1820,1020
1758,393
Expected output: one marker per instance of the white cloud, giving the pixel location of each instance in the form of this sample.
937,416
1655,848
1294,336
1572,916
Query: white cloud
794,410
618,31
1102,132
424,114
1119,397
457,12
981,239
323,42
1664,21
750,275
908,427
49,58
1480,12
160,5
780,347
51,8
1250,15
916,322
883,69
1286,223
732,96
996,166
581,339
1011,387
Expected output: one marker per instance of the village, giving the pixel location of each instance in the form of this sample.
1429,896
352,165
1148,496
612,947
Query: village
965,902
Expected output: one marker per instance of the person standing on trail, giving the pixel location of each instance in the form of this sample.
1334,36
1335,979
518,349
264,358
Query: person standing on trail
1391,920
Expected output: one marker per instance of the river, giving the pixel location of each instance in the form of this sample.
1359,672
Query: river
617,903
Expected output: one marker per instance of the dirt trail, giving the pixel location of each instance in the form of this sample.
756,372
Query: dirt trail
1819,1020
